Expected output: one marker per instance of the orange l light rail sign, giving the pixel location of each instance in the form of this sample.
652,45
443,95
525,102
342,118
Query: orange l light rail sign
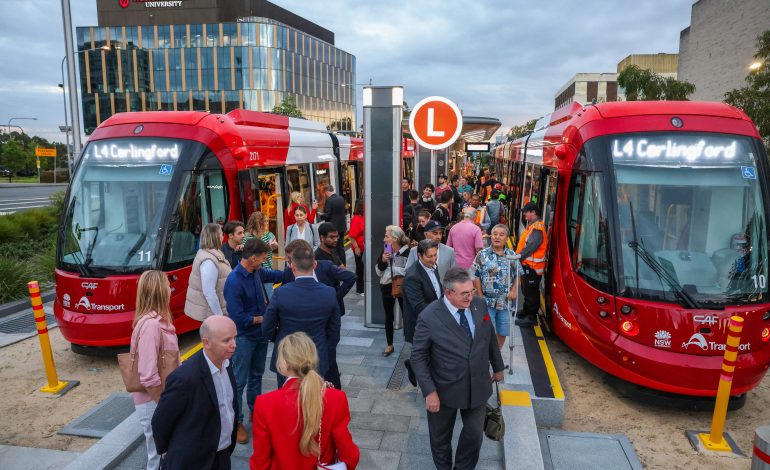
435,122
45,152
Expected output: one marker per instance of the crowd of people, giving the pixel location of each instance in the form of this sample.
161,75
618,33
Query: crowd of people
449,269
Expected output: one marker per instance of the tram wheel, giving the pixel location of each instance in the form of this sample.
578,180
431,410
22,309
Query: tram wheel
93,351
669,400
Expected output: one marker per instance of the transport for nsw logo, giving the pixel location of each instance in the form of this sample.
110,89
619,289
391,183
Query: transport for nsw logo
662,339
123,3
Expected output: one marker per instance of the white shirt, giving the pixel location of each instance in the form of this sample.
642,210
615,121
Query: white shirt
309,277
209,274
453,310
432,276
225,399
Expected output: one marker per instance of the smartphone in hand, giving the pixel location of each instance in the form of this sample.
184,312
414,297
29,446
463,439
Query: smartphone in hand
389,248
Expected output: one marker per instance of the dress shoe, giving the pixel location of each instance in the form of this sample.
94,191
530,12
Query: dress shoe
524,322
410,372
241,435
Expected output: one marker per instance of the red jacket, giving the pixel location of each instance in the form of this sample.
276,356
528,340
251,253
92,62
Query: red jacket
356,230
276,433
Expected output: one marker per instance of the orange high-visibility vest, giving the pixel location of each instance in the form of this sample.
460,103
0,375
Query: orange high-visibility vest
481,213
536,260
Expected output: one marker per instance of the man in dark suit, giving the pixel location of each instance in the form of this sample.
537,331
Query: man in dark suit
341,280
454,345
422,285
304,305
334,212
194,423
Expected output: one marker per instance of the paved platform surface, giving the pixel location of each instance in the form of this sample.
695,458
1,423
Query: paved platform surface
390,427
26,458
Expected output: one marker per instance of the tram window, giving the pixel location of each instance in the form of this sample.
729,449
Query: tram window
587,228
298,181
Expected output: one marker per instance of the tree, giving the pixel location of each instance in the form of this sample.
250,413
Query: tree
645,85
288,108
15,157
519,131
754,98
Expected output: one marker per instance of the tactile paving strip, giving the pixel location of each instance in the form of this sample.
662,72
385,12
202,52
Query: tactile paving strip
102,418
23,322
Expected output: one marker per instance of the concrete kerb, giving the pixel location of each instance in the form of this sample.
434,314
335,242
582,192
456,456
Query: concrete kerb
30,185
521,442
22,304
108,451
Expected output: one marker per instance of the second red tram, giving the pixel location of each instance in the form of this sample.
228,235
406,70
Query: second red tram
657,217
145,185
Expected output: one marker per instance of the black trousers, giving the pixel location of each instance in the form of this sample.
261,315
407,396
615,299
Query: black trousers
390,317
341,248
333,374
530,287
359,272
440,427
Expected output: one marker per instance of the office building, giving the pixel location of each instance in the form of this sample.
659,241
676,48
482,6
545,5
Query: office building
661,64
211,55
718,47
587,87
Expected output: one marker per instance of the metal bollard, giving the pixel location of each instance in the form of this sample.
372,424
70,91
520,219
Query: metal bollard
715,440
761,458
54,386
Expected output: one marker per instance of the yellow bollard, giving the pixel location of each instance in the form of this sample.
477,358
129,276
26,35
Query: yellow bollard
715,439
54,385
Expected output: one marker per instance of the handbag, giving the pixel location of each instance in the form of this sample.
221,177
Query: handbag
494,425
396,283
129,365
327,466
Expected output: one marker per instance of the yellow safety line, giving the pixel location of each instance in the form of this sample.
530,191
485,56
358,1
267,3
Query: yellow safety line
192,351
558,392
515,398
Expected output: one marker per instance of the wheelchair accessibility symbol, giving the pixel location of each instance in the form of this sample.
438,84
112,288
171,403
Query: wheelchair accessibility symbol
749,172
166,169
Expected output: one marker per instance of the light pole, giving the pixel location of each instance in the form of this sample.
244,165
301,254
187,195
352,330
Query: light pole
66,128
18,118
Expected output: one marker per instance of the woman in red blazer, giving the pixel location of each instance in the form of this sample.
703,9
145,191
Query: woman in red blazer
283,440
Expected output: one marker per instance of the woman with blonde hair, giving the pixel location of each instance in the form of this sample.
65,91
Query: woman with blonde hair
392,265
210,269
298,200
305,422
153,331
258,227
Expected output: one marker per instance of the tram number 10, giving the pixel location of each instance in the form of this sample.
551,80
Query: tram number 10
760,282
144,256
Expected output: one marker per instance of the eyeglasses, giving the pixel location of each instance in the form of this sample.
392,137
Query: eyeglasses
465,294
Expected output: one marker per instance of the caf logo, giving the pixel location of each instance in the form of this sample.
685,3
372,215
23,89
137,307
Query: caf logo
123,3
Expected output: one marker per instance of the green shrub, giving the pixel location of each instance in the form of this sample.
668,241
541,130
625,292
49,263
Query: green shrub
14,276
9,230
44,263
57,204
34,223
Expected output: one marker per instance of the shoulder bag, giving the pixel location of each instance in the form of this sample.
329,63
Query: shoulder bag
129,365
327,466
396,283
494,425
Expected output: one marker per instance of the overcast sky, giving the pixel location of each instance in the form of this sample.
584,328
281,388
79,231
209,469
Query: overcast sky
503,59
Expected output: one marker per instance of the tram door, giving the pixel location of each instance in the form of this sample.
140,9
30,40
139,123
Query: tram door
321,176
351,189
262,190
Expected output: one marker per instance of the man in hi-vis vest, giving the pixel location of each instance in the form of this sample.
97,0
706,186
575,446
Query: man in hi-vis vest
531,250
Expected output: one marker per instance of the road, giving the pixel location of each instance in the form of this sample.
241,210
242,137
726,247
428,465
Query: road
21,197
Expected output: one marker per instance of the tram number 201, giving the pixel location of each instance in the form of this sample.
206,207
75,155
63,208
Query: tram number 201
760,281
144,256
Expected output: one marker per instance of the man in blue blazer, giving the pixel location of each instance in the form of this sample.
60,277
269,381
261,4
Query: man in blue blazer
304,305
194,423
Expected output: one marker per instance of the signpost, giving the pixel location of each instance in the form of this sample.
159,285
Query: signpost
45,152
435,124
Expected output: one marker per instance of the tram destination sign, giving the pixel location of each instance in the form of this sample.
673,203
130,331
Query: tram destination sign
477,146
674,149
124,151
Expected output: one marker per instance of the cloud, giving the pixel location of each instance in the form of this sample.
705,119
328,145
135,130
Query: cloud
494,58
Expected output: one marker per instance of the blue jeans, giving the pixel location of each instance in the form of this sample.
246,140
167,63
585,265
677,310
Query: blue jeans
248,367
501,319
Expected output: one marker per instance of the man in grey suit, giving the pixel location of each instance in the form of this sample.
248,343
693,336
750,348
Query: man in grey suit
446,255
454,345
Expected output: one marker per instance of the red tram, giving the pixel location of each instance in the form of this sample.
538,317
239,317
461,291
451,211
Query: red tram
148,181
657,216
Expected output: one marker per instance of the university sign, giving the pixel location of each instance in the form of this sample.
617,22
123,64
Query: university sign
153,3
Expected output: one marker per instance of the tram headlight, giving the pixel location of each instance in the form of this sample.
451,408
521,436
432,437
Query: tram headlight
766,335
626,309
629,328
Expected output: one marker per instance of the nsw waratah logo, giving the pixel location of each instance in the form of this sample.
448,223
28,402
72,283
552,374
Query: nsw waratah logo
123,3
662,339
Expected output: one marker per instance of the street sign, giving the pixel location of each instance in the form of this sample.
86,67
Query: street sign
45,152
435,122
477,147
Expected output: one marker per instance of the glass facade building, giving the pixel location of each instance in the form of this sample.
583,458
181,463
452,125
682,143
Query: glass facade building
251,64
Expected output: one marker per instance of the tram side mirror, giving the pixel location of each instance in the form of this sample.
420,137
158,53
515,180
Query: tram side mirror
561,151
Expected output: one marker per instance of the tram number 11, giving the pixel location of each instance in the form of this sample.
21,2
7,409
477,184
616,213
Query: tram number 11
144,256
760,282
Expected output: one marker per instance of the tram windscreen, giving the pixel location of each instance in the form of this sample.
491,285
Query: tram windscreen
691,217
117,203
